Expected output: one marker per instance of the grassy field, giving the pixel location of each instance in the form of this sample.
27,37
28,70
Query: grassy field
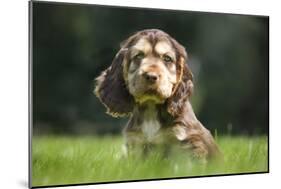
73,160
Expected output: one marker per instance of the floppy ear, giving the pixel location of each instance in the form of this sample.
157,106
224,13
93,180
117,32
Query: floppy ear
184,87
111,88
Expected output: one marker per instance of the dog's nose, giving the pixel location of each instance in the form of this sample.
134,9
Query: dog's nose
151,76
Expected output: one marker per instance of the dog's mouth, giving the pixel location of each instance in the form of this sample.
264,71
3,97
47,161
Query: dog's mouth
156,93
151,95
152,91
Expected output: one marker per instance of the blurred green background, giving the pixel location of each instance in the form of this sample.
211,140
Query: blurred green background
72,44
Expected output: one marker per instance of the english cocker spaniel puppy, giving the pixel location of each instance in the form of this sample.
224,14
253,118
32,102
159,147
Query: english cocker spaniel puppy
150,81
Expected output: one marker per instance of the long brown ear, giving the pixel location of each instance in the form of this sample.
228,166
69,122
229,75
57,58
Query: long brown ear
111,88
184,87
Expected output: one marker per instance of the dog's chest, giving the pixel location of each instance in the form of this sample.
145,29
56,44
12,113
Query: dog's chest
150,129
150,125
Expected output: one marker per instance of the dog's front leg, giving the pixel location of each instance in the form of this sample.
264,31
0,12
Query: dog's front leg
197,139
134,146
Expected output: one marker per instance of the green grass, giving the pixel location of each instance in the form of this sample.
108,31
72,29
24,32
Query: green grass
74,160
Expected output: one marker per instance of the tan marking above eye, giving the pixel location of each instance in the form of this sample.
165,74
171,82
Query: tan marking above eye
164,48
141,46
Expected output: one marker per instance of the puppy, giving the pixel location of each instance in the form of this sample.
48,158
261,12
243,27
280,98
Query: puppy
150,81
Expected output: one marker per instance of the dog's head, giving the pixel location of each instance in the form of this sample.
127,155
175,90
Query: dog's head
150,67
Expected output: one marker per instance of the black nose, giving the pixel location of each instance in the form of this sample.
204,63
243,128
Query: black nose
150,76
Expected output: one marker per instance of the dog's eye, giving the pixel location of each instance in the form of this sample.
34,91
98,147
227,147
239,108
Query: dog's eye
167,58
139,56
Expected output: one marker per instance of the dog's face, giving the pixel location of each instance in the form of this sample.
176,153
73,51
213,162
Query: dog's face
149,67
151,71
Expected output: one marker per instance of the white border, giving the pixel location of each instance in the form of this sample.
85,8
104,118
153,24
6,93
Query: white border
14,92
